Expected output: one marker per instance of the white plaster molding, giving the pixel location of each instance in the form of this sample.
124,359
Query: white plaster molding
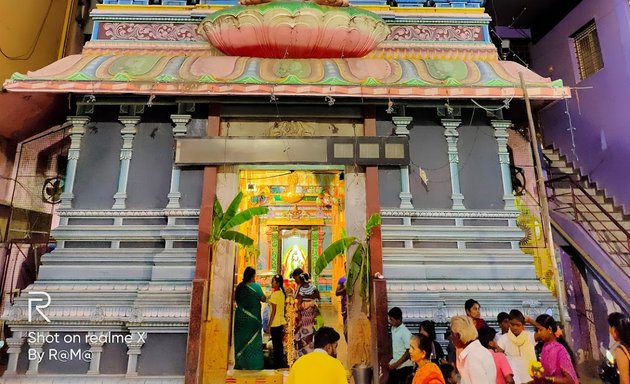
454,214
128,213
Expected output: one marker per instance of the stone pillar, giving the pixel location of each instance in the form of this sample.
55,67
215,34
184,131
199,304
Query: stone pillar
451,135
135,346
36,345
179,131
128,133
402,122
15,346
501,134
96,348
76,134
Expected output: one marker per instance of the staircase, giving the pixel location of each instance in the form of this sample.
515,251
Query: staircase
573,197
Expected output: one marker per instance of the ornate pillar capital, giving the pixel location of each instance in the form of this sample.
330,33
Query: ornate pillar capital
402,123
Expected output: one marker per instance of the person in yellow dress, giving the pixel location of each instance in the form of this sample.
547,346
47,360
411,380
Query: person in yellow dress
321,365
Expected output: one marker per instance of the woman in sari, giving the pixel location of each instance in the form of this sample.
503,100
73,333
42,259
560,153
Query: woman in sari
306,295
420,350
556,356
248,323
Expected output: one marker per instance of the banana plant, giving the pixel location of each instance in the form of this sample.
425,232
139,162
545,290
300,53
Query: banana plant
359,268
223,223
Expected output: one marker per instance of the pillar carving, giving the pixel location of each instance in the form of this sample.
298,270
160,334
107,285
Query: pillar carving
402,122
135,349
128,133
452,136
15,346
180,122
501,134
76,135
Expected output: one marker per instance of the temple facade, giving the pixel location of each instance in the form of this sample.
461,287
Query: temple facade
325,115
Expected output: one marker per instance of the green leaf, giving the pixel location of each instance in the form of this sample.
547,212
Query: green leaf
333,250
231,211
238,238
245,216
217,215
373,221
354,270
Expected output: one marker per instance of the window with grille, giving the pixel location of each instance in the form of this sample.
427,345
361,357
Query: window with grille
587,49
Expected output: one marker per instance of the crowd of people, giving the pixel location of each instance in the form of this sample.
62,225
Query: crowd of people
480,354
477,353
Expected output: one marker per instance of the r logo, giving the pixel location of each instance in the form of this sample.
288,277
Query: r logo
32,302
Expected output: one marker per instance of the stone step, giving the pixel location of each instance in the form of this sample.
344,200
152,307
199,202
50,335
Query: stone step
596,216
559,164
609,235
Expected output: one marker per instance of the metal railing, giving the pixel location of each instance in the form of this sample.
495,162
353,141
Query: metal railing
609,233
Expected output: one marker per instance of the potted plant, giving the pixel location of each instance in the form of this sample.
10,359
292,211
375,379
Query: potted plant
359,272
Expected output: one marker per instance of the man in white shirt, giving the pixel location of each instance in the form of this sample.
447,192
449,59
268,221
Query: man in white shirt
400,367
474,363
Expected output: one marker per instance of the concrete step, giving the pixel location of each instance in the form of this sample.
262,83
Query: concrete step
559,164
608,225
563,189
564,195
596,216
610,235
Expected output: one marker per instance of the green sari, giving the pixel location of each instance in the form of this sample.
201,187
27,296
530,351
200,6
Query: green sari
248,329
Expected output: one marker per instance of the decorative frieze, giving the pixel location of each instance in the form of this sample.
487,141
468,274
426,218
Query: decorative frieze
435,33
465,214
130,31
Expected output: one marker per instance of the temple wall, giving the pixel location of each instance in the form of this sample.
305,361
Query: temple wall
427,247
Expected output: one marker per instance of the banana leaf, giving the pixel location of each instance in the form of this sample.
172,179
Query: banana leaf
237,237
232,210
354,270
217,215
373,221
333,250
245,216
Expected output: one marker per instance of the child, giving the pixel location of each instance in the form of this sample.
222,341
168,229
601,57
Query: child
518,345
504,372
504,324
556,356
420,348
448,372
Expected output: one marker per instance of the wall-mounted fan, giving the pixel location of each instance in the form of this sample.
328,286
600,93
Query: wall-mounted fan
519,182
52,189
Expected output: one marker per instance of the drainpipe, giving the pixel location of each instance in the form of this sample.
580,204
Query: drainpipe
542,198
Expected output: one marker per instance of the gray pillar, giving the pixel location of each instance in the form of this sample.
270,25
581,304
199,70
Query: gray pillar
15,346
501,134
128,133
96,349
402,122
37,346
76,134
135,346
452,135
179,131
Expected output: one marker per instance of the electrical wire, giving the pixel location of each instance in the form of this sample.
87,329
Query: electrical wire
37,37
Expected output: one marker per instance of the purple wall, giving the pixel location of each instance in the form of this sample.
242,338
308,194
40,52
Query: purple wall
602,135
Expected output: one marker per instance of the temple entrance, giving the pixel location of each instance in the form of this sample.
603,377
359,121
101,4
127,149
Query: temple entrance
306,214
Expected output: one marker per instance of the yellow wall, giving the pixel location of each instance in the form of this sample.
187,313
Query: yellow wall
20,22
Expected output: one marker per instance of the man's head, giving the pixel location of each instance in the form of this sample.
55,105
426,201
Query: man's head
394,316
517,322
463,331
327,338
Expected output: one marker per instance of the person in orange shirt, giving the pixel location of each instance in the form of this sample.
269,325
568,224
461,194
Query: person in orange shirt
420,349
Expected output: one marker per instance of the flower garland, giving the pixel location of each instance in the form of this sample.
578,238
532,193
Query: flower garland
291,316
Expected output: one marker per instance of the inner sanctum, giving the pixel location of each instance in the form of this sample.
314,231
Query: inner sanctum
306,214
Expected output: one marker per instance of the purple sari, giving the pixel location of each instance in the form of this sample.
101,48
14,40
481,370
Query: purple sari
555,359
